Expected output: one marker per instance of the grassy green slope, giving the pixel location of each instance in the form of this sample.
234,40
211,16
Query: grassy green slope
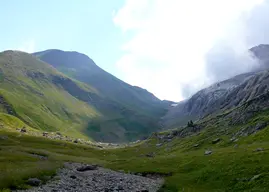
233,165
27,86
130,112
48,100
81,67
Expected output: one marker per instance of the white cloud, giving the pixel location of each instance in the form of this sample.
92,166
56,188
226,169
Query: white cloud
171,38
27,46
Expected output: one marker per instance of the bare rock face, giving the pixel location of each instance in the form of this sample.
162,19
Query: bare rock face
71,178
224,95
202,103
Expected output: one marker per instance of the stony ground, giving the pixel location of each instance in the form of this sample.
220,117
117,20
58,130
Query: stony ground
78,177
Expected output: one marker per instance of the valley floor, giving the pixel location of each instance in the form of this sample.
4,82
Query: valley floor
240,166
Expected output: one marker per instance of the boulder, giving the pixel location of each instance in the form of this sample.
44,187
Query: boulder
196,145
208,152
58,133
87,168
73,177
159,144
23,130
255,177
260,126
259,149
33,181
216,141
150,154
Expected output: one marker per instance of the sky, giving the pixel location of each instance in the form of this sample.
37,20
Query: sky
172,48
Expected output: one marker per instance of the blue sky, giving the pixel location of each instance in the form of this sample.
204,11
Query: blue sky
170,47
85,27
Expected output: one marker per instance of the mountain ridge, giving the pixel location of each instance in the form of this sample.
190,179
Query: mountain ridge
210,100
107,84
54,101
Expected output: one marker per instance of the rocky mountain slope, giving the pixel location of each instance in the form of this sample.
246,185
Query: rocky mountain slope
222,95
47,100
201,103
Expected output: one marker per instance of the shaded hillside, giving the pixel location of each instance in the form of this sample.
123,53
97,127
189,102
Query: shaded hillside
29,91
82,68
48,100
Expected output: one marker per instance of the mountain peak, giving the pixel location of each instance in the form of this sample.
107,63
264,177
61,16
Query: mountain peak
133,111
261,51
70,59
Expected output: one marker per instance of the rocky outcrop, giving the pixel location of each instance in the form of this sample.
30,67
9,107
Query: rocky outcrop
202,103
223,95
96,180
165,137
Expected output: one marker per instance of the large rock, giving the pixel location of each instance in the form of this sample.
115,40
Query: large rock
208,152
255,177
196,145
23,130
159,144
87,168
33,181
216,141
258,149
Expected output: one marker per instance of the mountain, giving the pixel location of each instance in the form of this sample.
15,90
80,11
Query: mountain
103,109
135,112
82,68
222,95
200,104
226,149
42,97
261,52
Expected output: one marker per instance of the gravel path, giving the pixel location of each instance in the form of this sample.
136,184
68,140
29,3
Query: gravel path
75,179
